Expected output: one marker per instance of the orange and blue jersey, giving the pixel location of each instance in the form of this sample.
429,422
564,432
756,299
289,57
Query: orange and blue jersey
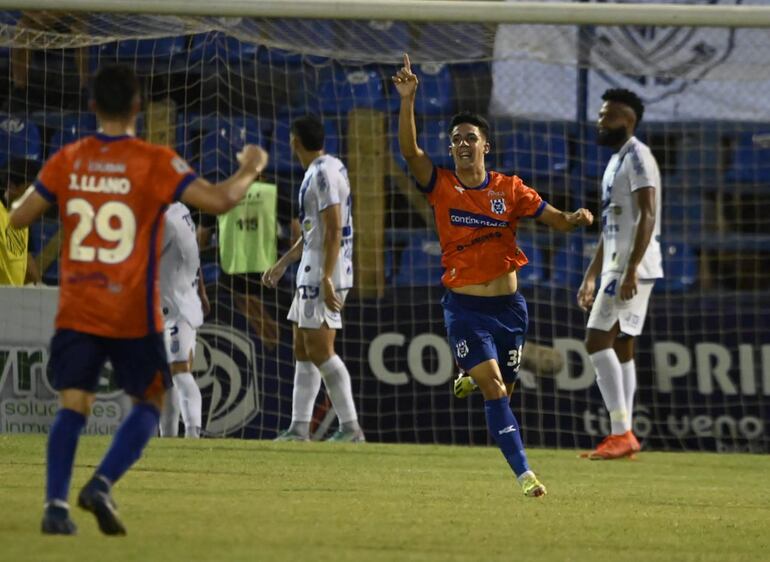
112,193
477,225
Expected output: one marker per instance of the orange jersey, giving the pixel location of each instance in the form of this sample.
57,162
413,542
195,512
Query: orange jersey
112,193
477,226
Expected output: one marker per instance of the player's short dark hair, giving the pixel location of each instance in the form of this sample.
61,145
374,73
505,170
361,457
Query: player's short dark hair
114,89
626,97
309,129
473,119
19,171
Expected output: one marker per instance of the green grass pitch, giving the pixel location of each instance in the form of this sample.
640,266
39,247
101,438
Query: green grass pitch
250,500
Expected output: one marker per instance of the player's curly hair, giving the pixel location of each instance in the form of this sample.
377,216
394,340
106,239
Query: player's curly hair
626,97
114,88
473,119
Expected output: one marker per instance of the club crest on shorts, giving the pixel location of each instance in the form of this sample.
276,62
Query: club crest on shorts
462,349
498,206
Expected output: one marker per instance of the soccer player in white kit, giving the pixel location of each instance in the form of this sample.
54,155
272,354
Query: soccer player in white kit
629,259
324,277
184,303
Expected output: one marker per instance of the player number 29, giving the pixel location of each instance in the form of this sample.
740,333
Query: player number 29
114,222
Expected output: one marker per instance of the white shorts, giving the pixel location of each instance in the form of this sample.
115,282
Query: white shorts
308,309
180,340
608,308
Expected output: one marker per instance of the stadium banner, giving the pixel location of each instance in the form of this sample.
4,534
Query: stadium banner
703,367
681,73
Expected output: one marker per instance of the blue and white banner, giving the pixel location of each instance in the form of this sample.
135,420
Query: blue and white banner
681,73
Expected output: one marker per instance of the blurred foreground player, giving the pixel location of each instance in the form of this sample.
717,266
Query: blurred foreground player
112,190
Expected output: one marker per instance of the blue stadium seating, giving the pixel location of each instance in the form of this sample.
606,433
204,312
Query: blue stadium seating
388,39
433,138
19,138
749,163
342,89
214,45
435,96
318,34
680,267
149,55
281,158
420,262
221,139
73,126
531,150
534,271
589,159
568,263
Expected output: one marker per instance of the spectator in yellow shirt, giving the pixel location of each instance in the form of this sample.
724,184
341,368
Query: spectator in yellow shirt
17,266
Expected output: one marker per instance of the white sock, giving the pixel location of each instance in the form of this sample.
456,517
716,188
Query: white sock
190,402
169,417
629,389
307,383
609,377
337,380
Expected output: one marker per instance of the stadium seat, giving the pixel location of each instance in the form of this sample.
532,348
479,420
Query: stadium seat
680,267
748,163
534,271
73,126
589,159
682,213
343,89
20,138
148,55
435,96
420,262
433,138
215,45
568,263
221,139
533,150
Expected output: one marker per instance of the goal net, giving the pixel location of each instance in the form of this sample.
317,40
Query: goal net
212,84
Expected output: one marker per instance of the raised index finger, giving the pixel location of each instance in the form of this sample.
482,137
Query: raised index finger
407,64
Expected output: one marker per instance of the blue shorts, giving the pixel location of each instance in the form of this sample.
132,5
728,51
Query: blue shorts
140,365
484,328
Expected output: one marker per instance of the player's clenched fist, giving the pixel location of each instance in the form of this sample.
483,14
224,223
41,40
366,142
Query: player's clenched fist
581,217
406,80
253,157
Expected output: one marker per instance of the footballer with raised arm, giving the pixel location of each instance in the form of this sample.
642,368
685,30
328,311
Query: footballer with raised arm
477,212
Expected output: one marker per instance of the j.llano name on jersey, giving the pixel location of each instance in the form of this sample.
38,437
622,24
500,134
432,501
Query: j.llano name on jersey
99,184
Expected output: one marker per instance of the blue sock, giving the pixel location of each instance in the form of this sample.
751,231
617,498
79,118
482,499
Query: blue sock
504,428
62,443
129,441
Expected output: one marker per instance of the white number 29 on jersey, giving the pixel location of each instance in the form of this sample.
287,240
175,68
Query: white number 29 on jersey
114,222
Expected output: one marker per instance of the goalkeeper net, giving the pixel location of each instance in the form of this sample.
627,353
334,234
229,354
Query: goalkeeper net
213,84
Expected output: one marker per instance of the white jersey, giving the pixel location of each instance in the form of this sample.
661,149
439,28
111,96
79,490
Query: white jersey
179,266
632,167
325,184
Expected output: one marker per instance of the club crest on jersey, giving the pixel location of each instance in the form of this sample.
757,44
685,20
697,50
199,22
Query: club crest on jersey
462,349
498,206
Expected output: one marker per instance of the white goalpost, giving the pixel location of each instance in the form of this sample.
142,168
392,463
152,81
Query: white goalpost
216,76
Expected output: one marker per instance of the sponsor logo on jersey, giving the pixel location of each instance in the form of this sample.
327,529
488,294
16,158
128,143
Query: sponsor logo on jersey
462,349
464,218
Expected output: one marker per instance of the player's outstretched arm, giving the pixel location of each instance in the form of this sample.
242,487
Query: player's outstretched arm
563,221
30,207
221,197
419,163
